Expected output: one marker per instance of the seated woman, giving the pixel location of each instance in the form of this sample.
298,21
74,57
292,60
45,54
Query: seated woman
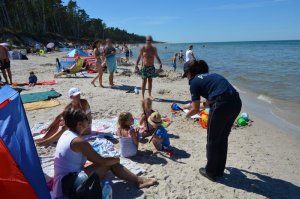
57,127
71,154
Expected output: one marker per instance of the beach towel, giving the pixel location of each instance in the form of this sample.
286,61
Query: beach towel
50,82
39,96
41,105
47,163
105,148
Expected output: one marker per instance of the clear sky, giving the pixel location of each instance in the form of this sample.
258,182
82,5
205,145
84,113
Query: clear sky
201,20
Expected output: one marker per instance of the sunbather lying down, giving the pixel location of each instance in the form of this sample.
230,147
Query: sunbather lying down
75,68
57,127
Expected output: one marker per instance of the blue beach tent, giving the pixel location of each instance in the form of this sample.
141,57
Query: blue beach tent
21,175
80,52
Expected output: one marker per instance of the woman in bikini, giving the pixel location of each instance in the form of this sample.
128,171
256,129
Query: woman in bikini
57,127
97,54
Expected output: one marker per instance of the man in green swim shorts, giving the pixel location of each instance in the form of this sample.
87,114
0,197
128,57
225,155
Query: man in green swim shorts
148,52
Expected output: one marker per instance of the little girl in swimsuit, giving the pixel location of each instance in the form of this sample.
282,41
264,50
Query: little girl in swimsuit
147,129
129,137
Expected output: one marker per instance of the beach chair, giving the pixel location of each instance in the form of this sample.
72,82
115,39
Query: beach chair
76,69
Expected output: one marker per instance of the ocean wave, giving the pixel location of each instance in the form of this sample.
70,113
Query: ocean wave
264,98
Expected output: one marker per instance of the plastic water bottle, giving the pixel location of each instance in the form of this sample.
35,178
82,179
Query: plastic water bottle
136,90
107,191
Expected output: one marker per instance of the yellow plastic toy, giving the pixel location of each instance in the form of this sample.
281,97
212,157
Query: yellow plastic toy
42,52
203,120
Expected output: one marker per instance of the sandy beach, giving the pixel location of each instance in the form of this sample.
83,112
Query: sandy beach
263,160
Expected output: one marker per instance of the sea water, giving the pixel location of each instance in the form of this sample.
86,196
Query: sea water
268,71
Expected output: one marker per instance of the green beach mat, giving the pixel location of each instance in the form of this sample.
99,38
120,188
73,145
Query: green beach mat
39,96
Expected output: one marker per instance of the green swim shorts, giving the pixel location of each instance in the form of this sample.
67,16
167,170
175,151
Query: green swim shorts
148,72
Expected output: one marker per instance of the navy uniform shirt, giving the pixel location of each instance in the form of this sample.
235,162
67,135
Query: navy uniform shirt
209,86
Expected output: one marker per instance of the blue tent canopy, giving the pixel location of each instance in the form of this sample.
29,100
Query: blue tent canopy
15,136
80,52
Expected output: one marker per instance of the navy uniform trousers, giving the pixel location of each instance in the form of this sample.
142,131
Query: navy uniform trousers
223,112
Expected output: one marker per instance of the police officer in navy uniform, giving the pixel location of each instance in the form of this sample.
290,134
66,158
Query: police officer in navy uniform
225,105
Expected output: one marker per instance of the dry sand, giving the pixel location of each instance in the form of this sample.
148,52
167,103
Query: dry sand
263,161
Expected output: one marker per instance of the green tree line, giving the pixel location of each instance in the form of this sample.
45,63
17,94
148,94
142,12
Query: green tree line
40,17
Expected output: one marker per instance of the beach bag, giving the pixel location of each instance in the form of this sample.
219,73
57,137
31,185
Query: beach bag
128,148
89,189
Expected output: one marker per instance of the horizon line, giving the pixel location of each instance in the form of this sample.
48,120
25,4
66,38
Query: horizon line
228,41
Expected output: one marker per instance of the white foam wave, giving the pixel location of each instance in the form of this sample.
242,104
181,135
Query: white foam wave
265,99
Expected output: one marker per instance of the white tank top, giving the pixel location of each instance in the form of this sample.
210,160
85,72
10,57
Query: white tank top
66,161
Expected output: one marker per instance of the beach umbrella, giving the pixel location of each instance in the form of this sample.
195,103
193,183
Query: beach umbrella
50,45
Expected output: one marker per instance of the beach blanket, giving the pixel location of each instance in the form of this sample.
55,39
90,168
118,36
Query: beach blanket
100,128
39,96
47,163
105,148
50,82
41,105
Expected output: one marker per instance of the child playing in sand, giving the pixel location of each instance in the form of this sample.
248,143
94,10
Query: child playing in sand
129,137
32,79
147,111
160,138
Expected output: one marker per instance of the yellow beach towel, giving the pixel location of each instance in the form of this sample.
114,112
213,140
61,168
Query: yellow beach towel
41,105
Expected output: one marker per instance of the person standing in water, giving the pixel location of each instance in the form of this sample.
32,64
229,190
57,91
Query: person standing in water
148,52
189,55
174,60
180,57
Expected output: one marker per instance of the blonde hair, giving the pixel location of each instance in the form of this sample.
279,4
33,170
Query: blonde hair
123,118
147,102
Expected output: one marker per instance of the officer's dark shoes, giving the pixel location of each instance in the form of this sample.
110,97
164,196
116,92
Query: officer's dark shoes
203,173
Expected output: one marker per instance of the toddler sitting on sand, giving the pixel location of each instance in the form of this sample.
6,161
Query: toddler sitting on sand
32,79
160,138
147,129
129,137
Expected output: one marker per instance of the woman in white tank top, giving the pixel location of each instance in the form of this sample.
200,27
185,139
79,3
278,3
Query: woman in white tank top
72,152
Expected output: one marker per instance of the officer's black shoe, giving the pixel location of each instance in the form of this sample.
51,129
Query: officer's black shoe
205,174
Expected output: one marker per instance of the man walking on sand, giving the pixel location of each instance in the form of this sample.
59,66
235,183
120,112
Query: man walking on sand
5,64
148,52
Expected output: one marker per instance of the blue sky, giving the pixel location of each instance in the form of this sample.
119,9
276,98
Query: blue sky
201,20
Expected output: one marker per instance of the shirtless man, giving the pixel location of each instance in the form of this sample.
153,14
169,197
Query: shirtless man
148,52
5,64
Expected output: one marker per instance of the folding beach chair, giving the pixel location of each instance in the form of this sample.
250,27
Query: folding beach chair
76,69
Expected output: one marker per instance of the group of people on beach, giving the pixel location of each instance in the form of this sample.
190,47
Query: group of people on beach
189,56
106,55
67,129
72,151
